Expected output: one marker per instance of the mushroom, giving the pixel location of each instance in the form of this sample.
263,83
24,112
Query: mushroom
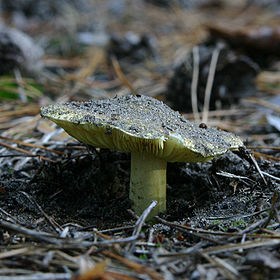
152,132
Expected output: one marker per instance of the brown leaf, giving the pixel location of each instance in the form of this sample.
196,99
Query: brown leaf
96,272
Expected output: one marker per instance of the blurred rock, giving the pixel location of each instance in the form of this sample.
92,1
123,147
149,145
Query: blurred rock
234,78
17,50
116,7
273,5
262,258
269,81
263,40
192,4
100,39
42,9
132,47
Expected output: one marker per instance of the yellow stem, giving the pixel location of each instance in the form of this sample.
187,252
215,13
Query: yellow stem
147,183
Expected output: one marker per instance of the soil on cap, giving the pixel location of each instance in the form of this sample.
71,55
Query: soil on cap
144,117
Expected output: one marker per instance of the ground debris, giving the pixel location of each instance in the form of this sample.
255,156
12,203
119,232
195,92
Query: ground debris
64,207
263,258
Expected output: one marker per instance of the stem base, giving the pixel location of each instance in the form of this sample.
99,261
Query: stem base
147,183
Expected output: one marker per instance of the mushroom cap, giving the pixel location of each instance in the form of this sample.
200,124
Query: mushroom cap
140,123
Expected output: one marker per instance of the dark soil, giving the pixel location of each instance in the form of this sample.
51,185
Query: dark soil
92,188
64,207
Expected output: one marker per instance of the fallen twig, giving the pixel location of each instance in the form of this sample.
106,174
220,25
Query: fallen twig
195,77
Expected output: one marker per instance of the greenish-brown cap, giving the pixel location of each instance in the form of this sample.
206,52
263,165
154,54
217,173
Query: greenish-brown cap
142,124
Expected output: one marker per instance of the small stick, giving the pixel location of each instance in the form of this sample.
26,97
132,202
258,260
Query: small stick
21,91
195,77
142,269
203,231
238,216
140,222
273,208
209,84
249,157
14,220
14,252
54,225
32,233
268,157
120,74
271,176
32,145
233,176
40,276
263,147
273,242
17,155
117,229
257,167
221,113
226,270
264,103
24,151
59,242
74,244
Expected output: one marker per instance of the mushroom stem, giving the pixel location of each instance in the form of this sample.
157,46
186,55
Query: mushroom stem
147,182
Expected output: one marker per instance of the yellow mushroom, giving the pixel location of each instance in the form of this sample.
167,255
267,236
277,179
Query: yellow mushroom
152,132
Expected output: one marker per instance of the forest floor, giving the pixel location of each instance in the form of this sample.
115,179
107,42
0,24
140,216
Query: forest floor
64,208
